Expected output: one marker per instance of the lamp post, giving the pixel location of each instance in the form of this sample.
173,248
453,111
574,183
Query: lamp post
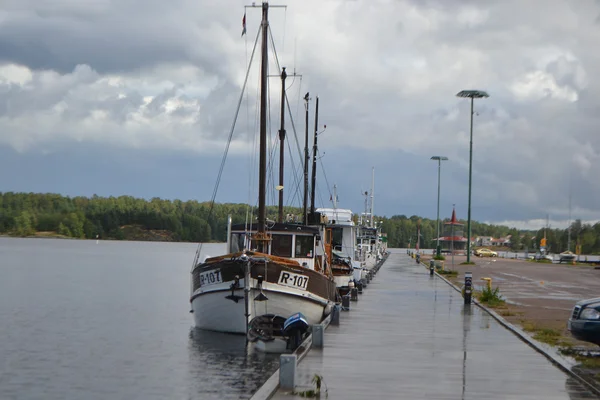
472,94
439,159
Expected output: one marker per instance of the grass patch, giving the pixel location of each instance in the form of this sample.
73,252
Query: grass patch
440,258
589,362
549,336
528,326
316,392
467,263
448,272
491,297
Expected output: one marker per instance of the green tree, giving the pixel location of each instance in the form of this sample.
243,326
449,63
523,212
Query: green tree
24,224
63,230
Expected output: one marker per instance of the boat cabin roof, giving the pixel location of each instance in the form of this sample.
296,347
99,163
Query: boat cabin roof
277,227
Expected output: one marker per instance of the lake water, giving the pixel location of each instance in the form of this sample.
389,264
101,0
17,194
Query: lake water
81,320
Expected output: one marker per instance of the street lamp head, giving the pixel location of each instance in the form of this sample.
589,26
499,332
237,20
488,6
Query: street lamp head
439,158
474,94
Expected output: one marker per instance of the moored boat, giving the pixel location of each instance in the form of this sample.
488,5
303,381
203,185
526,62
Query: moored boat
269,268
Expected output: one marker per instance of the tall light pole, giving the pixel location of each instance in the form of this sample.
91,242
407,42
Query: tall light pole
439,159
472,94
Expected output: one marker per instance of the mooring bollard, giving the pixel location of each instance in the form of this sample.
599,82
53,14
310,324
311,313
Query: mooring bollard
345,303
431,267
318,335
359,287
335,314
287,371
468,287
354,294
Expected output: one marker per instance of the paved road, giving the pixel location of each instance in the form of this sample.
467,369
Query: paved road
411,337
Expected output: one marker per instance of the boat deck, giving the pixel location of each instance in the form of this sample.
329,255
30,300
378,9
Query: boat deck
410,337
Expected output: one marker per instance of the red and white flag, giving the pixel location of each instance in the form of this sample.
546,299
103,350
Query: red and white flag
244,25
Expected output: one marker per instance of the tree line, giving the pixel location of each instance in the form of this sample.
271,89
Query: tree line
402,232
25,214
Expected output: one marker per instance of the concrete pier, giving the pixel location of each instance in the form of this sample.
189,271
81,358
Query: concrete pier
411,337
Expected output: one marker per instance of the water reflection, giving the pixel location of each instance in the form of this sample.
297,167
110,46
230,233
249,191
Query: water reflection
221,366
576,391
467,312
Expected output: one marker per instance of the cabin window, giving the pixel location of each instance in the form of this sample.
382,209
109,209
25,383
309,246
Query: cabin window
337,241
305,246
237,242
281,245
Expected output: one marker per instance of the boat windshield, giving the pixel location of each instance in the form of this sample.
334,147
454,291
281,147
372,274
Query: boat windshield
304,246
237,242
281,245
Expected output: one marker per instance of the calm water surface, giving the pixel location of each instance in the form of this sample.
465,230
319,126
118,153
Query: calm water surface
81,320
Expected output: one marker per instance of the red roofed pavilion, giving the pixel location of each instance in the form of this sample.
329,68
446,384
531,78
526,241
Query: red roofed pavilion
453,238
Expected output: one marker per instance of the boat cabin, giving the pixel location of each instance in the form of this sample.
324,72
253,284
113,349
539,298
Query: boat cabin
343,231
298,242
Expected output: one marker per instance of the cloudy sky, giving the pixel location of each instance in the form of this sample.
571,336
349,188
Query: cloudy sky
132,97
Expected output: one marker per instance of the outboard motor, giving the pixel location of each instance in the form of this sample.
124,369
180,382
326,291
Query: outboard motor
294,328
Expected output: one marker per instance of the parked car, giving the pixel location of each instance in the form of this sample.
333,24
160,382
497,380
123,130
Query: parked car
566,256
584,323
485,253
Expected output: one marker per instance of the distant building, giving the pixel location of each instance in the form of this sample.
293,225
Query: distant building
484,241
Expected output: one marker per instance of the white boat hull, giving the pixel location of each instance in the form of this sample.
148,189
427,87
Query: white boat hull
370,261
276,345
343,280
213,311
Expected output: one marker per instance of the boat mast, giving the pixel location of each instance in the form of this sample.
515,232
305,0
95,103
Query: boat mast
373,198
334,196
569,229
281,146
314,164
306,159
262,169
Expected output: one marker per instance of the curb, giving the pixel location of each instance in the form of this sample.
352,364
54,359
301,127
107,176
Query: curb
542,348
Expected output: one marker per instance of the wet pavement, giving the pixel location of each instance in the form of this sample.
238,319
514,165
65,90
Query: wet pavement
410,337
